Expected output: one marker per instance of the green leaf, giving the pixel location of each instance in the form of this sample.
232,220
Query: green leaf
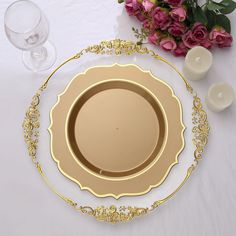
152,1
227,2
212,6
211,19
200,16
229,6
120,1
190,10
190,16
223,21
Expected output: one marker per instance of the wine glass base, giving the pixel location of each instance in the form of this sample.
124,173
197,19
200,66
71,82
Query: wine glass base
40,59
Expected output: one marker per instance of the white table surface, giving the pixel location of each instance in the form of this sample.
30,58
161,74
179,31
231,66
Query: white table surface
205,206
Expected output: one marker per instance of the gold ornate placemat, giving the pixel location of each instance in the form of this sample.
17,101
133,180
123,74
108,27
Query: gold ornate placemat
114,214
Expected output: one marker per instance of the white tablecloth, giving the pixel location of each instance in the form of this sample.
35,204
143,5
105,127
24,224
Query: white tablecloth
205,206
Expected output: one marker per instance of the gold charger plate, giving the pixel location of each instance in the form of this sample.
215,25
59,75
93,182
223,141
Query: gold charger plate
116,130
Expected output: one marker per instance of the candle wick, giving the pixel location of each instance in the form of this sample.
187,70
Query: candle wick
220,95
198,59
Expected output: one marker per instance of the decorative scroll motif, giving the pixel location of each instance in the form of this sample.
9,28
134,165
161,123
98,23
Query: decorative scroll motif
200,129
30,126
113,214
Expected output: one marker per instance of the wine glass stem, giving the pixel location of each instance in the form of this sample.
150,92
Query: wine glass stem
39,54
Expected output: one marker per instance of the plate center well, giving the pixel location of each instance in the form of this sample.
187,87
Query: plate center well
115,128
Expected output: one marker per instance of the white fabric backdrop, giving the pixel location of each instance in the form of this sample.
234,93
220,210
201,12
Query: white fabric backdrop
205,206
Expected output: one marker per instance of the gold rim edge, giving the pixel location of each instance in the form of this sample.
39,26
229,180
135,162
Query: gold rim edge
151,186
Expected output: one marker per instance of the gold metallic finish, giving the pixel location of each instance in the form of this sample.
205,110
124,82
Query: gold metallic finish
114,214
111,135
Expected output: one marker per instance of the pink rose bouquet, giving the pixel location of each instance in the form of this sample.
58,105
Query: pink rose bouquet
178,25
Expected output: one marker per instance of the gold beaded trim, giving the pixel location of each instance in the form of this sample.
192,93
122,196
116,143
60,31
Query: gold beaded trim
112,213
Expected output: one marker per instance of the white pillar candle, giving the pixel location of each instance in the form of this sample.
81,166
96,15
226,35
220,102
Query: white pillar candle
219,97
197,62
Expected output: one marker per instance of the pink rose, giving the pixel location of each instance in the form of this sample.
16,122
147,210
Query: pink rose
177,29
147,24
174,2
132,7
206,44
181,50
155,37
189,40
199,32
168,44
161,18
178,14
147,5
140,16
220,37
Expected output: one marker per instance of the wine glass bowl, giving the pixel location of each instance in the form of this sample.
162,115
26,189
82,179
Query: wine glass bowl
27,28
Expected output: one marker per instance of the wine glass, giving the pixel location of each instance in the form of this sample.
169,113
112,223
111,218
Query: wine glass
27,29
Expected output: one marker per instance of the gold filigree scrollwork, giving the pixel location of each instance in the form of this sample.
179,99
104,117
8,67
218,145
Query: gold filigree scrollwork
30,126
112,213
200,129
